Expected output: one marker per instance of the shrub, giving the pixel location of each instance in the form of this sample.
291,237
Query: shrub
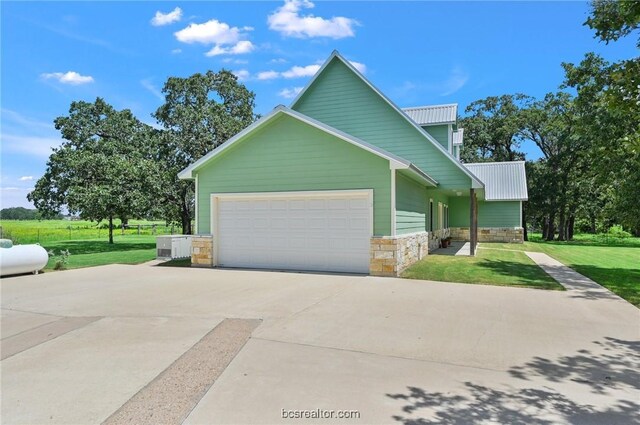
61,259
616,231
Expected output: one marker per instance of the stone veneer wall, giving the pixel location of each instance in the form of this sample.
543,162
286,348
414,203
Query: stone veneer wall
202,251
490,234
391,255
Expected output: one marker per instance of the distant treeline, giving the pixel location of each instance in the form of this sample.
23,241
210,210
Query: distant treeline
20,213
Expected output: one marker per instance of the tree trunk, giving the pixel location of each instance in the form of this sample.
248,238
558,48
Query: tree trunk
572,222
551,229
110,229
545,227
562,227
593,225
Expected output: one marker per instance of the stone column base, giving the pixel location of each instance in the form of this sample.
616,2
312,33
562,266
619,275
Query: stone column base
391,255
202,251
490,234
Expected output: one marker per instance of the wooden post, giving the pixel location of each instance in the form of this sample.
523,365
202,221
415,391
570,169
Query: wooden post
473,224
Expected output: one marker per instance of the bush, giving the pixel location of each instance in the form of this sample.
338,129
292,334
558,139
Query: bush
61,260
617,231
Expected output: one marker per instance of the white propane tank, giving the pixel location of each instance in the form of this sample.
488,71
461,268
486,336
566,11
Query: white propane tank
22,259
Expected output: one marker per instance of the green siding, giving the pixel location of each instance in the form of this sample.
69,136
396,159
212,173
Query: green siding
411,206
490,214
459,211
342,100
289,155
499,214
440,133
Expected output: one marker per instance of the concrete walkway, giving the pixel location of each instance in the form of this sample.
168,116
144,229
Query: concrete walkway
456,248
579,285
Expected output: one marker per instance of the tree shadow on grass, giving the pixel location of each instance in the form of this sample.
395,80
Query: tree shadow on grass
612,365
95,247
522,273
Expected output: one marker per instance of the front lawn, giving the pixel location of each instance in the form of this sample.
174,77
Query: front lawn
614,264
495,267
128,249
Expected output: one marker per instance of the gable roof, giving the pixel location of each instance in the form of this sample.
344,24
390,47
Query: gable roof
395,161
475,182
458,136
504,181
433,114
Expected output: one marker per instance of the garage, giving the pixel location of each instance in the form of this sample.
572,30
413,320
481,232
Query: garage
314,230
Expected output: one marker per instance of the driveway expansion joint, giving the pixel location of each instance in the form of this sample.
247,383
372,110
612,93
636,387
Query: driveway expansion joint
171,396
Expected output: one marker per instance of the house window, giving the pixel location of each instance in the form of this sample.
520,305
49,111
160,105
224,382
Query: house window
431,215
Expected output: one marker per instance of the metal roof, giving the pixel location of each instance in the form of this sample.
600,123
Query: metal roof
458,136
503,181
433,114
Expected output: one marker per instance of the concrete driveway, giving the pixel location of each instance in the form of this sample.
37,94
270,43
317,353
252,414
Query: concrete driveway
79,345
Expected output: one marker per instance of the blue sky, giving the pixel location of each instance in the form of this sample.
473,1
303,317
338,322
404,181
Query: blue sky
416,52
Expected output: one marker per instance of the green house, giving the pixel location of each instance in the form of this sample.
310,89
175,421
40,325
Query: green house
345,181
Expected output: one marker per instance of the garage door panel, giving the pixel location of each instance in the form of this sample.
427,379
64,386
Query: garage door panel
315,231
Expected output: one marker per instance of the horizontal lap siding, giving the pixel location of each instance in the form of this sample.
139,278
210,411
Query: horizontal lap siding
440,133
411,208
288,155
499,214
342,100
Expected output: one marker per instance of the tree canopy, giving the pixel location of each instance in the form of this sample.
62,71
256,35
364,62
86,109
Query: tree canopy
106,167
200,113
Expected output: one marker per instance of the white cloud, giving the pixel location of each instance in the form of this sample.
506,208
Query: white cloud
288,21
359,66
242,74
241,47
268,75
278,60
290,93
457,79
226,40
147,84
301,71
70,77
236,61
26,178
8,188
210,32
161,19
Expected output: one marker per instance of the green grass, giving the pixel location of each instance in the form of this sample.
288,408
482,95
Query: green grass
614,264
497,267
97,252
45,231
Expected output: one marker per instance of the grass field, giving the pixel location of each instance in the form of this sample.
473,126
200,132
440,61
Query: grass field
613,263
504,268
44,231
130,249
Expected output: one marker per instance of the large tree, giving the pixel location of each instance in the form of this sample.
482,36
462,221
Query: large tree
104,169
200,113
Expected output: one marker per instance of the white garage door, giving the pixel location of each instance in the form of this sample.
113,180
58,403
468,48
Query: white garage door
326,231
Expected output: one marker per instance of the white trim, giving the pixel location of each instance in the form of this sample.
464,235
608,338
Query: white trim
450,138
195,227
431,229
294,193
393,202
475,182
394,160
520,213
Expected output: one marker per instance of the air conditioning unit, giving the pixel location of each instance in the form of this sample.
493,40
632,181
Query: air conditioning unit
172,247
